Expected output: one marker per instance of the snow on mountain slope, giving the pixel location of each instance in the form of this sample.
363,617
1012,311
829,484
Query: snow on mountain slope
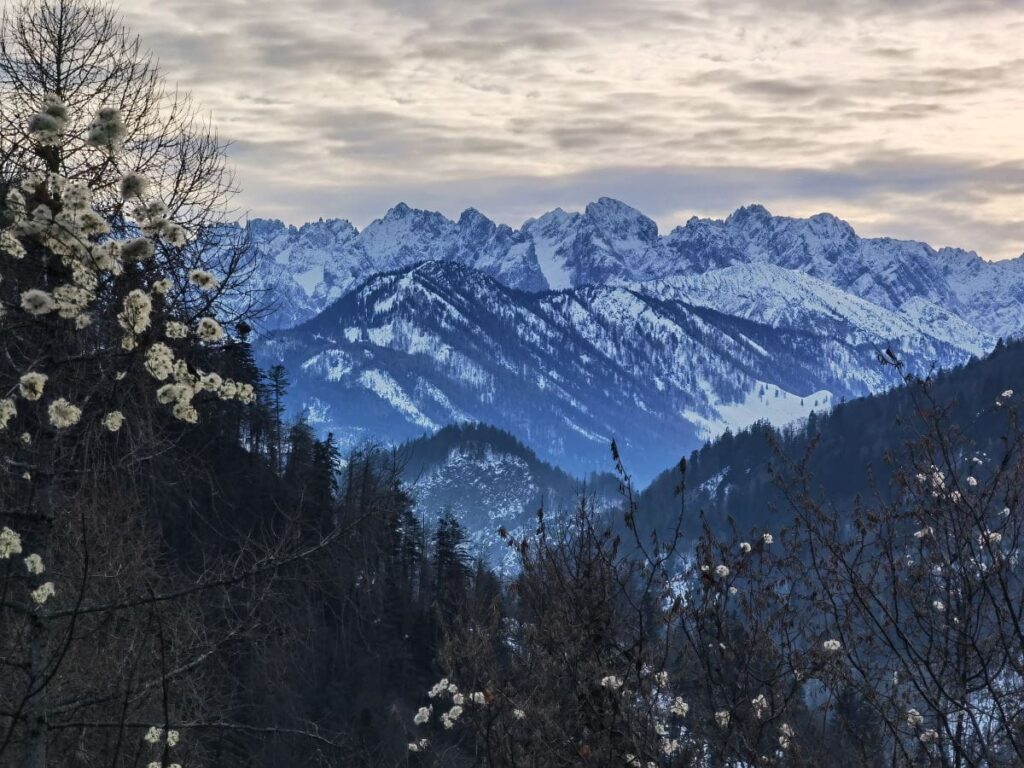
659,370
974,301
884,271
785,297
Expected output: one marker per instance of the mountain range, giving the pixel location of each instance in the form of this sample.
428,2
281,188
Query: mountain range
582,327
610,242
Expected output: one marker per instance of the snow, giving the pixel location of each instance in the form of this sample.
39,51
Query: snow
780,410
551,266
389,390
311,279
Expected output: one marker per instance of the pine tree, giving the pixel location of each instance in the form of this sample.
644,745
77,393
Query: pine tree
277,381
451,566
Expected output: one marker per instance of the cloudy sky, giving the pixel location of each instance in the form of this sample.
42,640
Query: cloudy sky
904,117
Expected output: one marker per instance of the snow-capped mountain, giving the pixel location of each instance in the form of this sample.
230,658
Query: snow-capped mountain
306,268
611,243
490,481
658,366
887,272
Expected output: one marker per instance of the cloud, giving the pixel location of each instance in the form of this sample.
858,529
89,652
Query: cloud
898,114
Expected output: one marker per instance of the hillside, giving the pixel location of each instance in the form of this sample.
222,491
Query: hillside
732,476
489,480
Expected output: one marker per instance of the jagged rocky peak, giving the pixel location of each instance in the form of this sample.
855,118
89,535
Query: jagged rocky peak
471,218
610,242
749,217
623,225
827,225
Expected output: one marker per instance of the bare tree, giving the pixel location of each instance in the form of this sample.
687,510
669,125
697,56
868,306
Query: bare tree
81,52
107,336
923,586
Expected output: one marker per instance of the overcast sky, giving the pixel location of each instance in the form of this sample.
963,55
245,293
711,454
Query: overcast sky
903,117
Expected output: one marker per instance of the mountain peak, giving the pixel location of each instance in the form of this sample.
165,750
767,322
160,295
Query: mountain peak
748,215
830,226
473,217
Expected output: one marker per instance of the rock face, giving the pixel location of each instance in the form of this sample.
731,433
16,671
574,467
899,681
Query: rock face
311,266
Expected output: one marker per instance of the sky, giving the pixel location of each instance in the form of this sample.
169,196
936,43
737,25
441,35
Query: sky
902,117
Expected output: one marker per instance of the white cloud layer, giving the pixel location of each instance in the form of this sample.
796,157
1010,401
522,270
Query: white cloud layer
902,116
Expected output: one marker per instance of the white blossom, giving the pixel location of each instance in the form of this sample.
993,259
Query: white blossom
203,279
37,302
768,538
43,592
47,126
134,186
162,286
135,313
175,330
139,249
518,714
722,718
10,543
831,645
745,547
209,329
34,564
10,245
63,414
992,537
611,682
169,394
8,411
31,385
173,737
422,715
785,735
113,421
721,571
154,735
185,412
760,706
939,606
159,361
914,718
107,131
679,707
76,195
174,235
